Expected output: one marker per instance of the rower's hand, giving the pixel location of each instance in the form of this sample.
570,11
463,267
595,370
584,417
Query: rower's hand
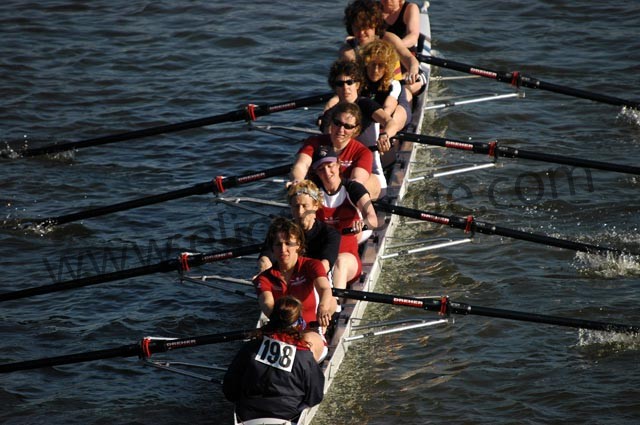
384,143
324,315
411,77
288,184
358,226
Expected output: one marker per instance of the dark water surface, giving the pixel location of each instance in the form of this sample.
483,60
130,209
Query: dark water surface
75,70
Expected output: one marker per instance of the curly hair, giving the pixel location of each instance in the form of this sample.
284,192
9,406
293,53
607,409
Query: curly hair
345,67
380,51
364,14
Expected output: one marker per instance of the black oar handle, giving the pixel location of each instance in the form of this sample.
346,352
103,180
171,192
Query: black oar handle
181,264
444,306
251,112
352,230
517,79
470,224
496,150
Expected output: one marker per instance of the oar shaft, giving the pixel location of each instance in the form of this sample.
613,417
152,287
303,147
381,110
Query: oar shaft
164,266
517,79
445,306
124,351
461,308
497,150
473,225
197,189
238,115
161,267
509,152
143,349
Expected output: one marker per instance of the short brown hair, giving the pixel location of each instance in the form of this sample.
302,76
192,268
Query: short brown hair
348,108
289,228
345,67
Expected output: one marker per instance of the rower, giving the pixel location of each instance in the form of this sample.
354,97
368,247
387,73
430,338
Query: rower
403,19
355,159
347,207
377,60
274,377
321,241
364,22
377,125
292,274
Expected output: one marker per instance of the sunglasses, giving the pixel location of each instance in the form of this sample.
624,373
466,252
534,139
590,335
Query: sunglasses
346,126
344,83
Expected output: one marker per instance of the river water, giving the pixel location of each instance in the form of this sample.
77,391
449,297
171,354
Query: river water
75,70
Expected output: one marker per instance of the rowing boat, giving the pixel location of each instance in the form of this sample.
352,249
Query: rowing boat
503,274
398,173
353,311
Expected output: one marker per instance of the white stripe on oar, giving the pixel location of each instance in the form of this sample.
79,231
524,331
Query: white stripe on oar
452,172
267,127
461,77
519,95
171,367
427,248
422,324
241,287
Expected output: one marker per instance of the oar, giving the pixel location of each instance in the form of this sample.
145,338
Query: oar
143,349
446,307
495,150
517,79
250,112
217,185
470,224
183,263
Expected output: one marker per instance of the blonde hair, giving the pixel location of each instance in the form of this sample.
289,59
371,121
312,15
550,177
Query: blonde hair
380,51
305,187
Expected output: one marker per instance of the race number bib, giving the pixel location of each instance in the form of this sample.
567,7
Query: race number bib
276,354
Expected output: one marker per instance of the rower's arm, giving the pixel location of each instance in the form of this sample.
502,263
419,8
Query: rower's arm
412,21
300,167
327,305
264,263
266,302
347,52
360,175
391,127
368,212
406,58
390,124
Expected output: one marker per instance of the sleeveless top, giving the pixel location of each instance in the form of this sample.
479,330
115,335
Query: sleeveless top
399,28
